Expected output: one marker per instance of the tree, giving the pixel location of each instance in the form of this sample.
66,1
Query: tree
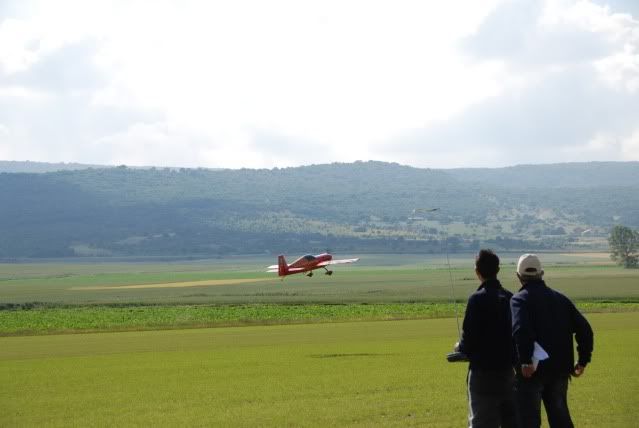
624,243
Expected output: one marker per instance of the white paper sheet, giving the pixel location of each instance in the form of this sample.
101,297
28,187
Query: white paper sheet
539,354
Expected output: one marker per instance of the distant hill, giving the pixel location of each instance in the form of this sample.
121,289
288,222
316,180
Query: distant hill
361,206
40,167
578,174
590,174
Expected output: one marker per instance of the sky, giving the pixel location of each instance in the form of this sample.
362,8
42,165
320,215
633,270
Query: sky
254,84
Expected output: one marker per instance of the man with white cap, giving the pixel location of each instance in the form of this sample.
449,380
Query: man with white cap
545,320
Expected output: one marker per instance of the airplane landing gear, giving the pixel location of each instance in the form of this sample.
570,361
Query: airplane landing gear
310,274
328,272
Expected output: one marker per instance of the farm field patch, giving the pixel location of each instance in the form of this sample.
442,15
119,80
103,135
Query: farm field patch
57,320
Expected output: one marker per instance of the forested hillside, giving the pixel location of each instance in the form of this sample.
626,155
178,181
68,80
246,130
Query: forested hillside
359,207
582,175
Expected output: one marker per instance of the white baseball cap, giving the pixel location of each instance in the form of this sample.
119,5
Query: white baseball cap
529,265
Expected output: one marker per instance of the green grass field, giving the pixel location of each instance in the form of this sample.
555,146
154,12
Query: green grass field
388,373
236,291
144,368
375,279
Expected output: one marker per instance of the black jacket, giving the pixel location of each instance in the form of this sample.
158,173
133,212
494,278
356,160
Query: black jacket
546,316
487,338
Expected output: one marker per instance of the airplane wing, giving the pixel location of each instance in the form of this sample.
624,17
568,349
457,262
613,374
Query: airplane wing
337,262
272,267
272,270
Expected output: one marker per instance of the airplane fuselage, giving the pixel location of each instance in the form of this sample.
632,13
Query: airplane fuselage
306,264
309,262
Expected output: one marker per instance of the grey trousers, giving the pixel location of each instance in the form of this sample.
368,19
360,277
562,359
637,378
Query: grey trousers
553,391
491,399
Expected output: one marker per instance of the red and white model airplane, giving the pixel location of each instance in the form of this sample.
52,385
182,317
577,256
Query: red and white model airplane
306,263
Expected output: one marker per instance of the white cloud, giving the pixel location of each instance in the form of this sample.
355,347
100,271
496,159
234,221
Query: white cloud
567,92
630,147
255,84
620,66
342,74
15,40
621,70
145,144
21,92
5,138
4,142
601,146
609,146
45,27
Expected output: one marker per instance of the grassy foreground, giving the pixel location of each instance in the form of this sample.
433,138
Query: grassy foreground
52,320
347,374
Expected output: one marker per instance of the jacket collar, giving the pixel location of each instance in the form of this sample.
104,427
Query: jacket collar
490,283
539,283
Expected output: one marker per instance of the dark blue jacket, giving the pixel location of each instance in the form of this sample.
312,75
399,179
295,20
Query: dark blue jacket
548,317
487,338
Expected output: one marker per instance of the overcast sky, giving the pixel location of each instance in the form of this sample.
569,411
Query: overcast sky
284,83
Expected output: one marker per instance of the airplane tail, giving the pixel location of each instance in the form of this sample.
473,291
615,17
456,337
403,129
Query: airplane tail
282,267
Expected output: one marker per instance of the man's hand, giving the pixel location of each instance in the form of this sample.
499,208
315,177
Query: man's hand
527,370
579,370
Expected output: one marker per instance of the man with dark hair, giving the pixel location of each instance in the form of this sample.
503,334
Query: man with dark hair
544,319
487,341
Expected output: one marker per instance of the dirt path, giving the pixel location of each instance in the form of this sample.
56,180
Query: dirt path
204,283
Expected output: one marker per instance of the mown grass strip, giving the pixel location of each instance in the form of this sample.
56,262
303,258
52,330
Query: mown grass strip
52,320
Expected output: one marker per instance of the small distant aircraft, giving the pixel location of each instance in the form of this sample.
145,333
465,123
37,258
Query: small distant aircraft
418,211
307,263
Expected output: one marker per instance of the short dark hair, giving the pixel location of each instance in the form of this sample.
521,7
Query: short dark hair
487,264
